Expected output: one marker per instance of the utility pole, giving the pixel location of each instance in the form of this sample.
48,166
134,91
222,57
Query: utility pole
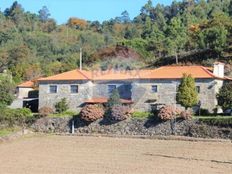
80,58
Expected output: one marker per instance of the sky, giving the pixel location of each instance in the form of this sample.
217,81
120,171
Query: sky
62,10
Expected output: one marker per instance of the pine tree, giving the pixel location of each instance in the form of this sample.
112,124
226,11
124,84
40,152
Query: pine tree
224,96
187,94
114,99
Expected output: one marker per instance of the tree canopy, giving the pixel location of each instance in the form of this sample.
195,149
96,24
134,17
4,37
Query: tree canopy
195,31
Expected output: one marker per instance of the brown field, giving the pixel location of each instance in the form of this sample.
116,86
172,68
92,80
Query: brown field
97,155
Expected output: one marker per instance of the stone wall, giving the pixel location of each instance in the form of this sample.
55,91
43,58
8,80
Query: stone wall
100,88
148,127
144,99
75,100
140,91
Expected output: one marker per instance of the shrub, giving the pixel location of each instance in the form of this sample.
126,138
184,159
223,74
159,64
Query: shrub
187,93
45,111
120,112
186,114
61,106
168,112
14,116
91,112
224,96
114,99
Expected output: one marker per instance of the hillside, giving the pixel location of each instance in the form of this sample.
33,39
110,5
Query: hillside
192,32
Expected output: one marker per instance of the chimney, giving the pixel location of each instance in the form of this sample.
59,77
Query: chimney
218,69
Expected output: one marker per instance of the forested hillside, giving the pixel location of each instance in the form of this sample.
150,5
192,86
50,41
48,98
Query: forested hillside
33,45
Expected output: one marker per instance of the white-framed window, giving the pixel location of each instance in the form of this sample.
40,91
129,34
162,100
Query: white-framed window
111,88
53,89
74,89
154,88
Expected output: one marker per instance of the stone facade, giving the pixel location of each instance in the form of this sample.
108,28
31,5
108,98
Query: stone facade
100,88
75,100
139,91
144,99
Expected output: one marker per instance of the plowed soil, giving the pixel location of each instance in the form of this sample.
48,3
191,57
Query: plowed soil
97,155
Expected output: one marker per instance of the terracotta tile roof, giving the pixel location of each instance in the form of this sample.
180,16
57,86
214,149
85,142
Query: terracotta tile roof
165,72
27,84
104,100
70,75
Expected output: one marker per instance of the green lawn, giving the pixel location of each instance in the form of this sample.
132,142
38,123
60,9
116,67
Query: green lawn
64,114
7,131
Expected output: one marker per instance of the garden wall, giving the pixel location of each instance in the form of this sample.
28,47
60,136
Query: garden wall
133,126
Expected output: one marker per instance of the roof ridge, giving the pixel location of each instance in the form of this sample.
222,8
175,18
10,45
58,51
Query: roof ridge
80,71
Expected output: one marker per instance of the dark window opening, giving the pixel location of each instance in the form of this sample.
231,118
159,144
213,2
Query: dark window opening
154,88
53,89
111,88
74,88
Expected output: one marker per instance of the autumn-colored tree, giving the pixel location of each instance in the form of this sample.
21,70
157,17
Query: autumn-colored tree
77,23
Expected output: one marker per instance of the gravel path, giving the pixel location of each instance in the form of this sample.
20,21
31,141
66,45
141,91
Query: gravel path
99,155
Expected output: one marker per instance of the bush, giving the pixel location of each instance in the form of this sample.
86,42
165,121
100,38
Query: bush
224,96
61,106
168,112
45,111
223,121
120,112
91,113
114,99
186,114
15,116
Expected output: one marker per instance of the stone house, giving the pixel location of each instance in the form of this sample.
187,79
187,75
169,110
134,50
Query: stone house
144,89
26,96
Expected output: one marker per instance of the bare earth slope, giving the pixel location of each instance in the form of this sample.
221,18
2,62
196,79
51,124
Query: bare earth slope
93,155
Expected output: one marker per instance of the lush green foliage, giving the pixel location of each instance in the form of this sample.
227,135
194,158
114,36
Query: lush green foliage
6,89
216,120
225,96
62,106
32,45
187,93
15,116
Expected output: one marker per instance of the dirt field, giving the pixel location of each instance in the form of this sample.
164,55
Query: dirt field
97,155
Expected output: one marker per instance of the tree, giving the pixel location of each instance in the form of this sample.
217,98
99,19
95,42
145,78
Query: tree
176,37
6,90
61,106
114,99
187,93
224,96
44,14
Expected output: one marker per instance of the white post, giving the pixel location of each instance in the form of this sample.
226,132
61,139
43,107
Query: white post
80,58
73,127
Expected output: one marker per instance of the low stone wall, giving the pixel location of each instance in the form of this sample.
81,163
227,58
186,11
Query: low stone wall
147,127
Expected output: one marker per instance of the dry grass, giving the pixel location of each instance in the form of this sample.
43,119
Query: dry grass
93,155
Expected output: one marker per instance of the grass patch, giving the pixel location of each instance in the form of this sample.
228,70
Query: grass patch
141,115
216,120
7,131
64,114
